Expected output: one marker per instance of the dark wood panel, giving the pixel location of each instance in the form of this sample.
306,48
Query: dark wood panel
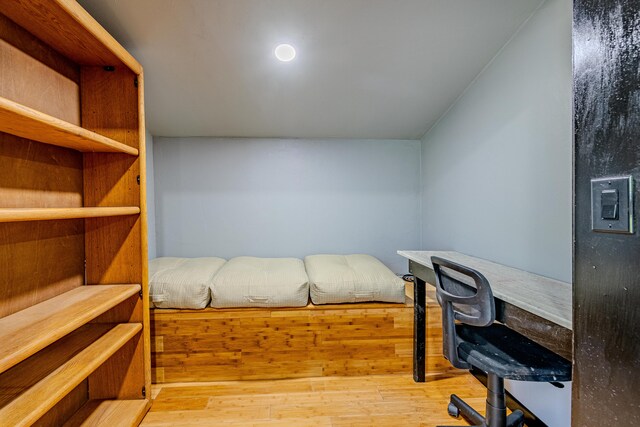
546,333
606,266
419,329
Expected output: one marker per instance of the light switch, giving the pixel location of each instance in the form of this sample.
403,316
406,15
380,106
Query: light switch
612,204
609,204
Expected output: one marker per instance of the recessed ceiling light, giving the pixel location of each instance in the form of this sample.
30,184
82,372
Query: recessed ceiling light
285,52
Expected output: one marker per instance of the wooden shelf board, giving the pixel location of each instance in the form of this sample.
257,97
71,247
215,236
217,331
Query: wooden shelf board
26,122
68,28
27,373
43,214
28,331
110,413
42,396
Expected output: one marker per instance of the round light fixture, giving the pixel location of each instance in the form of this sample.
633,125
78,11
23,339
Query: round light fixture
285,52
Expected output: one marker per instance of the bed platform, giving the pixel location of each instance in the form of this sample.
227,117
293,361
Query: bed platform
273,343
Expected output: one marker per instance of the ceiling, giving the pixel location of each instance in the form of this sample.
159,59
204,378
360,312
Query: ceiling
378,69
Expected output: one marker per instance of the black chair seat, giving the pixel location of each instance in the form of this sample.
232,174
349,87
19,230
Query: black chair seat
508,354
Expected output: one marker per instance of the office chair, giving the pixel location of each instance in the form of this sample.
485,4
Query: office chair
472,339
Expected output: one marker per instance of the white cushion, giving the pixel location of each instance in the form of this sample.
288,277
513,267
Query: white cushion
182,282
351,278
260,282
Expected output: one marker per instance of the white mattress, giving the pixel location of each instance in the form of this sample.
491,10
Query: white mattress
351,278
260,282
182,282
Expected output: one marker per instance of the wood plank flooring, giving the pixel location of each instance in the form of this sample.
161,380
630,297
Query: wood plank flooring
364,401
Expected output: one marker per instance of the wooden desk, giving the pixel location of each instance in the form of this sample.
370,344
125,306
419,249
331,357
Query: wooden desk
537,307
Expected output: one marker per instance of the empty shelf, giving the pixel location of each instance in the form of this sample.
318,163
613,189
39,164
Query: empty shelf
109,413
42,396
68,28
42,214
28,331
23,376
26,122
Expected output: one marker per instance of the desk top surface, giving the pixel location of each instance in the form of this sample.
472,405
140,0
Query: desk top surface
548,298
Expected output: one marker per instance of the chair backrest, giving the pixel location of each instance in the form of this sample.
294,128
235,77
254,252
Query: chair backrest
462,302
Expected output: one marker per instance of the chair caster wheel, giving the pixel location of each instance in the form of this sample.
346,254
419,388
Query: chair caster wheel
453,410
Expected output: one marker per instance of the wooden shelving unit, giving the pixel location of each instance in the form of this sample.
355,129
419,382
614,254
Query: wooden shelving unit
32,329
108,413
35,401
28,123
74,318
44,214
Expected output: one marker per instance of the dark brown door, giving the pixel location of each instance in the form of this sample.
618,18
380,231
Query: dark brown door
606,387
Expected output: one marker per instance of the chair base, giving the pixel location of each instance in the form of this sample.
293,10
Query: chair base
496,408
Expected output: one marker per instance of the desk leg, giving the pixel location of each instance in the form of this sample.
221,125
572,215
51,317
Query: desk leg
419,329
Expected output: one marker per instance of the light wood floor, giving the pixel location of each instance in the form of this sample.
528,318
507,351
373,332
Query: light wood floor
368,401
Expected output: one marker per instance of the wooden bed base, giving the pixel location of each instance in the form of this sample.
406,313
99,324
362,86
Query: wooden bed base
313,341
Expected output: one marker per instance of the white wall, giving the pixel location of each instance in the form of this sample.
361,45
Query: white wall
151,199
496,169
277,198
